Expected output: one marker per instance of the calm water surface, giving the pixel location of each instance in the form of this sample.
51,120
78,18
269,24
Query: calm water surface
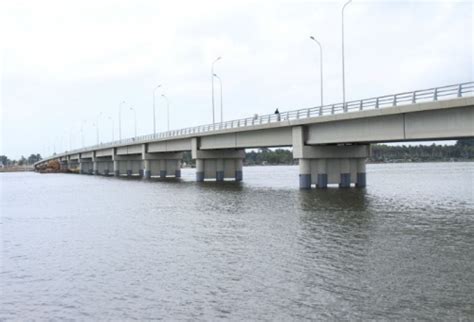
96,248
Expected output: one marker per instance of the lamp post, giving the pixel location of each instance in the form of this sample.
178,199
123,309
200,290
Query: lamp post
220,84
135,119
82,131
154,114
97,128
320,64
120,120
113,127
212,82
343,71
167,112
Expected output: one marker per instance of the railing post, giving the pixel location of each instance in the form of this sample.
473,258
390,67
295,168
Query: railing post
332,109
321,110
307,113
394,103
413,97
345,106
360,105
435,94
377,102
297,114
460,90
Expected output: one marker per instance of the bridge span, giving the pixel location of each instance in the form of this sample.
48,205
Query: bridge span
331,142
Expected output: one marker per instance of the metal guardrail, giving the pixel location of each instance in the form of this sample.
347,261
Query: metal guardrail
406,98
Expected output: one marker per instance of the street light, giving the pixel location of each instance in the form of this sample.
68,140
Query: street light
113,127
167,111
98,119
135,118
343,71
82,131
320,64
212,82
120,120
154,115
220,83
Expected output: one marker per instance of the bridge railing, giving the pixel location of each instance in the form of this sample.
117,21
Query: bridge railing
419,96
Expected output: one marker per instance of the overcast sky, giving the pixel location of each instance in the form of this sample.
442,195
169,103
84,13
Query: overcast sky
64,62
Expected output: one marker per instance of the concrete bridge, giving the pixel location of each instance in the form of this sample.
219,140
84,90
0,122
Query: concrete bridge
331,142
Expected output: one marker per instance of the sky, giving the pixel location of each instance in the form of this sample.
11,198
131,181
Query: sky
69,64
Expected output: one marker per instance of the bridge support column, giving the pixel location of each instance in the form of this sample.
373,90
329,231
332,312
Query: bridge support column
104,166
219,164
329,164
361,181
95,166
86,166
63,165
305,173
129,165
342,165
73,164
163,164
199,170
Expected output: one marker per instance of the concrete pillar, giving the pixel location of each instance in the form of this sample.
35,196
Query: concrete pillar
305,173
345,181
147,169
361,181
177,172
95,166
239,164
163,171
199,170
116,168
220,170
322,179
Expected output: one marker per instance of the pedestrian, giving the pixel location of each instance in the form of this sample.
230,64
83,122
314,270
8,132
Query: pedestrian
277,112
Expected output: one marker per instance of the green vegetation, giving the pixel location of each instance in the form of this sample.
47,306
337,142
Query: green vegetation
463,150
267,156
6,162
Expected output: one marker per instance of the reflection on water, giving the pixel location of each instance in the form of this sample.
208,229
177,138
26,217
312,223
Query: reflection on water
85,247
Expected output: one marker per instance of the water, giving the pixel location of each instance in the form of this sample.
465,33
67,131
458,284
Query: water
96,248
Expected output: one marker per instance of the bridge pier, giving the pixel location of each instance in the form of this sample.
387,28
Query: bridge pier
103,166
163,164
342,165
86,166
219,164
329,164
129,165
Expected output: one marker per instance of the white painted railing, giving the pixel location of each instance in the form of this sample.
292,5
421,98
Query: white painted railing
419,96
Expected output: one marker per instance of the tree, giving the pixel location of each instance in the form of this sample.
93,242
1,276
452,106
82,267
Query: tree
22,161
4,160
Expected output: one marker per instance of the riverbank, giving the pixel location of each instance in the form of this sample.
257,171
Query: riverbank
17,169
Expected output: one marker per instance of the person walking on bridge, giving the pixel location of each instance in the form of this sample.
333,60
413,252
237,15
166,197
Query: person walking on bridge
277,112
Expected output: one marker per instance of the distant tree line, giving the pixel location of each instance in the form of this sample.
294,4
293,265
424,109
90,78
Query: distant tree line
463,150
6,162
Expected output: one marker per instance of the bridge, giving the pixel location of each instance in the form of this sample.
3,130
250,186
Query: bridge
331,142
